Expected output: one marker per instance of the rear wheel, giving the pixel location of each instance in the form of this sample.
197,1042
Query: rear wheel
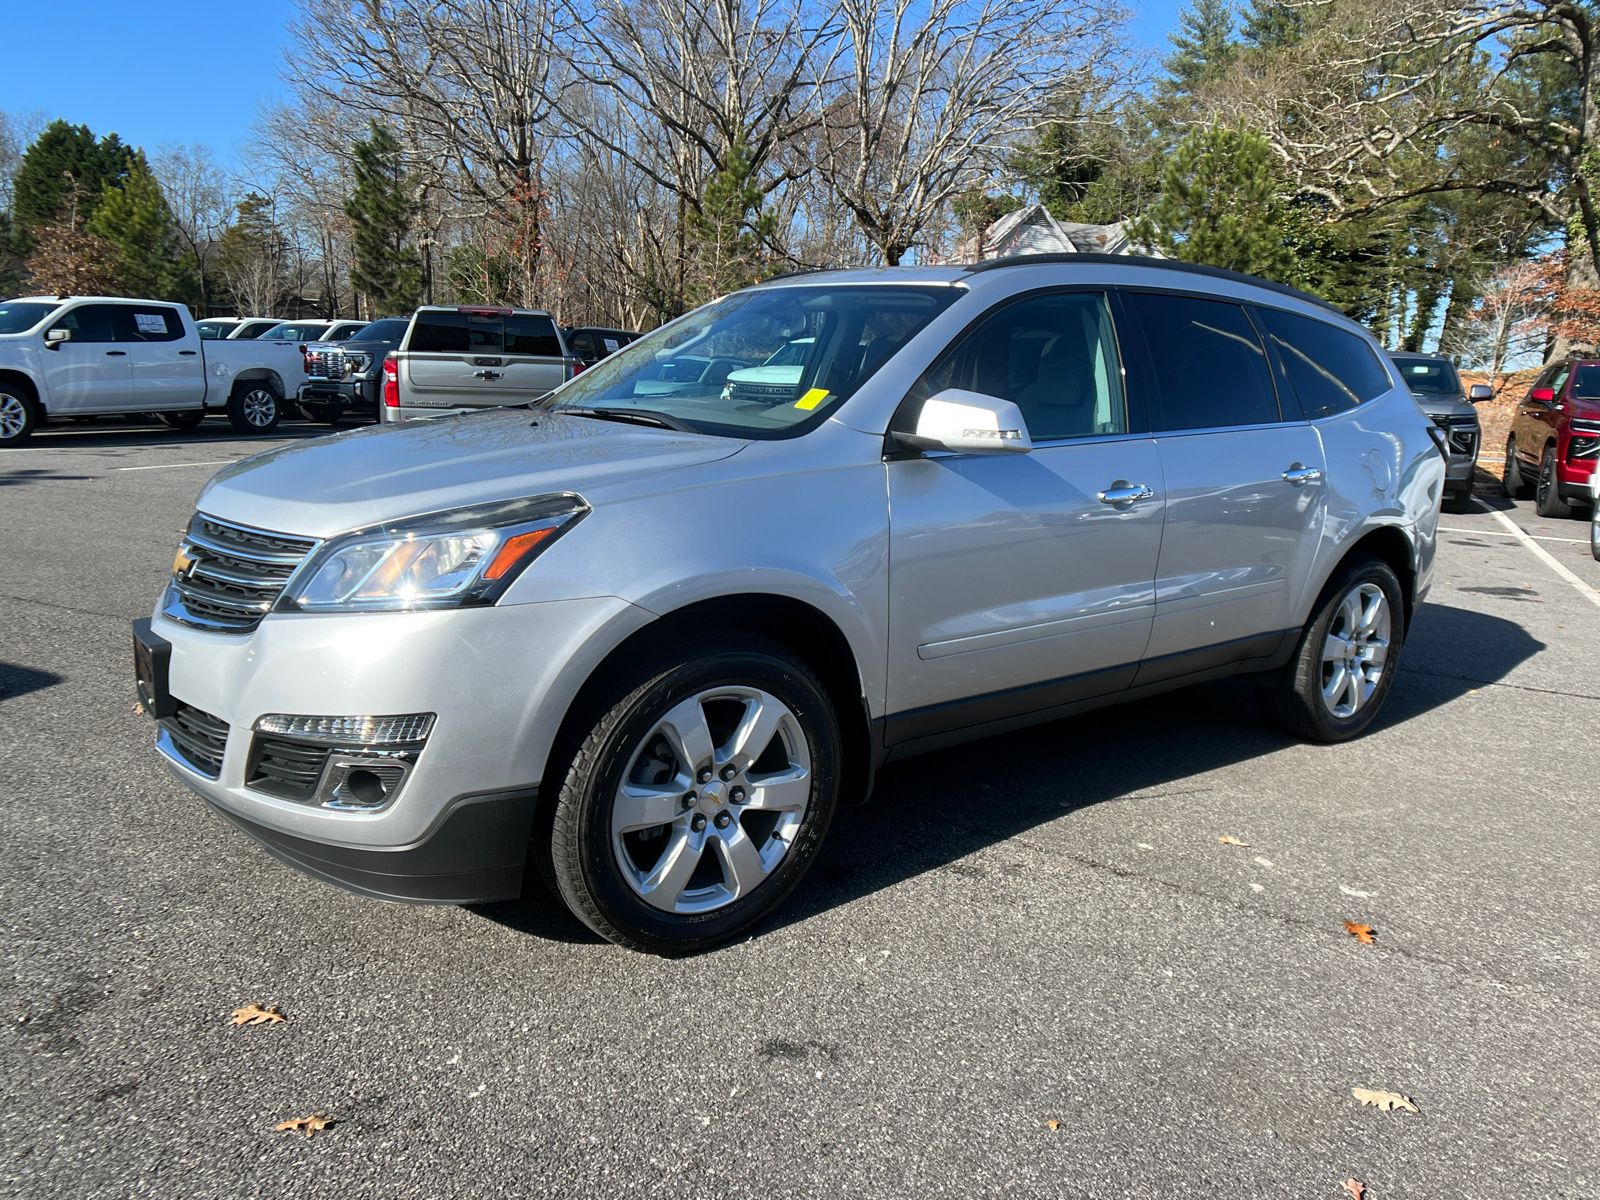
698,797
254,407
1345,664
182,420
1516,488
1594,532
18,417
1547,501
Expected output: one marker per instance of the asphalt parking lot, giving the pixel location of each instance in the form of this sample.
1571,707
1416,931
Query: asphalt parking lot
1029,968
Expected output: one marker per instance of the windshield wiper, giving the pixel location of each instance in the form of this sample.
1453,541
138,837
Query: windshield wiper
634,416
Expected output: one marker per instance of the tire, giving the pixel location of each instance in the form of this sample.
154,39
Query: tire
323,414
1547,501
1515,486
1594,532
19,416
677,885
255,407
1457,502
1321,698
182,420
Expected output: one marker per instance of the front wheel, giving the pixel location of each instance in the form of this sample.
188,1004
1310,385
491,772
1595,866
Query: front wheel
1348,653
1594,531
1547,501
183,420
1516,488
17,417
698,797
254,407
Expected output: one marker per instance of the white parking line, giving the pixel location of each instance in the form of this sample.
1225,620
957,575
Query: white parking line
1589,593
215,462
1535,536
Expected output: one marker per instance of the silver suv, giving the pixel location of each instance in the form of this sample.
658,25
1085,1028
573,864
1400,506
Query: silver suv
642,640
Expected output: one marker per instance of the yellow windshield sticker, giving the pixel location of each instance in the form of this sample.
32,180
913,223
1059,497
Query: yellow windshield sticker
812,398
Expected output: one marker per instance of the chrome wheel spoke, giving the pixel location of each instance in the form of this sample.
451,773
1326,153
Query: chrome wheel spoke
1355,652
763,714
787,791
663,886
1335,649
642,806
686,730
1333,691
742,868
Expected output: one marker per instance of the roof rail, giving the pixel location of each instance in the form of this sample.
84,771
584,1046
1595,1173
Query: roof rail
1140,260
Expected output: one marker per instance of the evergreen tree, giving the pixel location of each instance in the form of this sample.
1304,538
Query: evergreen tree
731,225
1087,170
253,255
1220,206
135,222
1271,24
381,210
1203,47
64,174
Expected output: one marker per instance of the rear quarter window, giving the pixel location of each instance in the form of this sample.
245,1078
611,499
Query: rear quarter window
1332,370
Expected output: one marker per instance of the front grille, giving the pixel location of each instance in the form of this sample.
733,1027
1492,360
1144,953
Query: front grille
1463,433
234,575
326,362
197,738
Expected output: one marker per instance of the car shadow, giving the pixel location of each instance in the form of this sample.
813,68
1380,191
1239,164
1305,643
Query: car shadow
114,433
930,812
19,681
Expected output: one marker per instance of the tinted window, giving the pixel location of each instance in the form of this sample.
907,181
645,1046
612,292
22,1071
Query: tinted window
582,343
253,329
1054,357
148,324
17,318
390,329
1331,368
343,332
455,333
1209,365
1559,379
1586,383
212,330
286,332
532,335
1430,376
90,322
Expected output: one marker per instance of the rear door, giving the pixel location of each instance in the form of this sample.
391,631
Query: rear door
1534,424
168,371
482,357
90,373
1244,482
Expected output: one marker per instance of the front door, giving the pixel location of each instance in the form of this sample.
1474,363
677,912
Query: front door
168,372
90,373
1245,494
1014,588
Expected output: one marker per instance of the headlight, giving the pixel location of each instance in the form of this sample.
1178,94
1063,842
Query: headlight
453,559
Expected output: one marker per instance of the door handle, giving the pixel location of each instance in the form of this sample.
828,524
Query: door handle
487,374
1123,492
1298,474
185,351
118,353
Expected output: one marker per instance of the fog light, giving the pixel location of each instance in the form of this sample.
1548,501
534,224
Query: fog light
349,763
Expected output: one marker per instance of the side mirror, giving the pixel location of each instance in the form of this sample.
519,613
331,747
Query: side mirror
1480,391
969,423
54,338
1542,395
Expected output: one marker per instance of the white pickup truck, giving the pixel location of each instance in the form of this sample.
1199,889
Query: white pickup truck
71,356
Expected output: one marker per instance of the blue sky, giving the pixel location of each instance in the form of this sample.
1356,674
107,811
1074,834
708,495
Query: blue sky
191,70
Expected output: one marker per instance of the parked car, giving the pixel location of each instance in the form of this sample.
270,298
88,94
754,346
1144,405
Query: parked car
1555,438
91,355
313,330
457,359
1434,382
347,377
250,328
216,328
590,343
645,641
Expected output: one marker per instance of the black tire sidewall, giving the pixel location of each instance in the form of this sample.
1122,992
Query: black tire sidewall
30,417
1547,491
587,873
236,407
1307,710
182,420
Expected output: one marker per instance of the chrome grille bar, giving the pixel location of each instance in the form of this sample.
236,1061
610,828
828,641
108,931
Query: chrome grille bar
227,577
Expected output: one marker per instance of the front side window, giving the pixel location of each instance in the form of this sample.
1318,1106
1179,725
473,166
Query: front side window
714,368
1331,369
1054,357
1559,379
90,322
1429,376
1586,383
1209,365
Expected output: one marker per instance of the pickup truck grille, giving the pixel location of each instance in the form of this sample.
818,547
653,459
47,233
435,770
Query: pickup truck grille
1584,444
326,362
233,576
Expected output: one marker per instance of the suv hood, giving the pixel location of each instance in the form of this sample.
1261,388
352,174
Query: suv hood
351,480
1443,406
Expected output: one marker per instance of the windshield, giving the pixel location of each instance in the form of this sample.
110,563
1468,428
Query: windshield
16,317
1429,376
833,337
287,332
1586,383
390,329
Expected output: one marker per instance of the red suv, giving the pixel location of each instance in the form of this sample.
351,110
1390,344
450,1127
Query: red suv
1555,438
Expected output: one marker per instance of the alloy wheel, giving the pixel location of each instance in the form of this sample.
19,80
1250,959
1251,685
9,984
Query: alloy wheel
1356,650
13,416
260,407
712,800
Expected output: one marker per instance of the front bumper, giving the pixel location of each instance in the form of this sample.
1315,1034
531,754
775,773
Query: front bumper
352,393
499,679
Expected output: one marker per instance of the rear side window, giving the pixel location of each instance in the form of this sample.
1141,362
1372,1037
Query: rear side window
1331,368
465,333
532,335
148,324
90,322
581,341
1209,366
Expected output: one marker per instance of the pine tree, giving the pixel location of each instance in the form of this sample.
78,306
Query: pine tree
135,222
1271,24
731,225
1220,206
1203,46
64,175
381,209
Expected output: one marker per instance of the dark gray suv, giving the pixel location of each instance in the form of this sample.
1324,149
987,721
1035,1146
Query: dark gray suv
1433,381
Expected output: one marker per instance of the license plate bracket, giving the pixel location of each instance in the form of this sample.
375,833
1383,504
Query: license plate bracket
152,659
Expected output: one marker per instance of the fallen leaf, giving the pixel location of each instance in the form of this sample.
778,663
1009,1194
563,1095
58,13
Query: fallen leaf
1053,1124
1355,1189
138,708
1388,1101
309,1124
1365,934
1232,841
254,1014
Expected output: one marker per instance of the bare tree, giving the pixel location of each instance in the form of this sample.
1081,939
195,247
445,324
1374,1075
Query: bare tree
1511,320
924,98
198,193
17,131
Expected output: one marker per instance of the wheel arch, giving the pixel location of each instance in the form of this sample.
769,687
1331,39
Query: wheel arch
250,374
802,628
1390,544
26,382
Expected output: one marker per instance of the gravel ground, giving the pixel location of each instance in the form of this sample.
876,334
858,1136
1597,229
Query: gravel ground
1028,968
